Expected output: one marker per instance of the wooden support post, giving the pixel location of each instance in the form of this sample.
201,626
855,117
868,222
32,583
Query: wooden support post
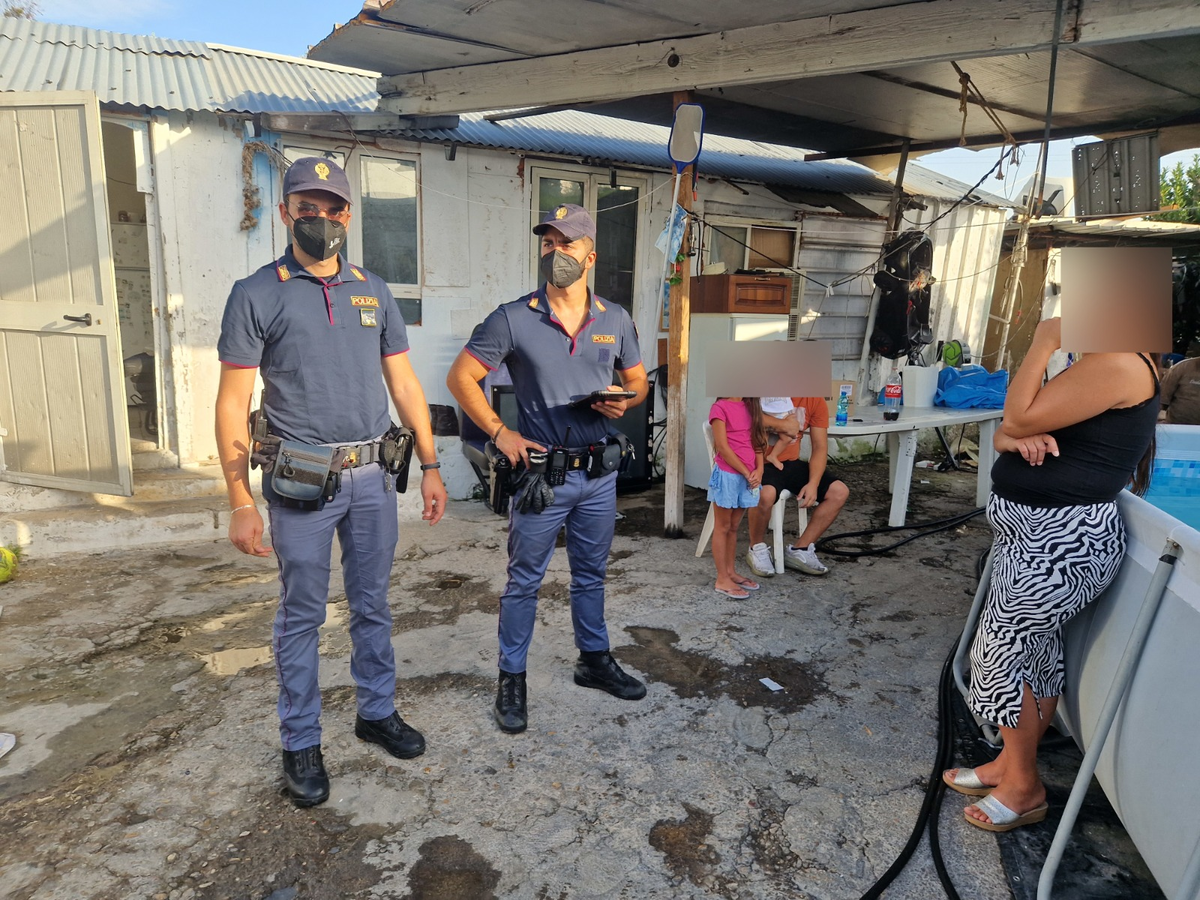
679,331
873,310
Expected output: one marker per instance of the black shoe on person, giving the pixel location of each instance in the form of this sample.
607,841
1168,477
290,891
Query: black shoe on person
305,776
393,734
509,711
597,669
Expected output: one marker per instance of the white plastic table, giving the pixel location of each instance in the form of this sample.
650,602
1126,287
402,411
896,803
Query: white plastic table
902,444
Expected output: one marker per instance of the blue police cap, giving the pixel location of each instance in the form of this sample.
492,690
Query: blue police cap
312,173
573,221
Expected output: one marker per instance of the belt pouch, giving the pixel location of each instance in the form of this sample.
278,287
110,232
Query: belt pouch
301,471
395,452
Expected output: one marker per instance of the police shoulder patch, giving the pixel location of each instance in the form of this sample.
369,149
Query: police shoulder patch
357,273
604,338
282,273
364,301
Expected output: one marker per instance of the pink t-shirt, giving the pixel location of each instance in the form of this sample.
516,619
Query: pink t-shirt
737,432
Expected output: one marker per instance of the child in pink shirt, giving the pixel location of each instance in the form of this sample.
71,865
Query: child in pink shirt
738,444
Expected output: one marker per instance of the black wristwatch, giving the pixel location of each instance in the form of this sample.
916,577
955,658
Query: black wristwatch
425,467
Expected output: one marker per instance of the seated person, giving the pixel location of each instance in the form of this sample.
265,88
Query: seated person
787,418
1181,393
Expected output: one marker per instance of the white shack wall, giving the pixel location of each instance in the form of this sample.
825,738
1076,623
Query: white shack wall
966,254
198,164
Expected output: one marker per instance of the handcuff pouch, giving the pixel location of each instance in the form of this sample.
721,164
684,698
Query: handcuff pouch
395,452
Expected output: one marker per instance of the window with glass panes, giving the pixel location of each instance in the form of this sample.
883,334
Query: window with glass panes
385,221
614,207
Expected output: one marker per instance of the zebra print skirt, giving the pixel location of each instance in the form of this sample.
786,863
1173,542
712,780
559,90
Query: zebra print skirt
1047,565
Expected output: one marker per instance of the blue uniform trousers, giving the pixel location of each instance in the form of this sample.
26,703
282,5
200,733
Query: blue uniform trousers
588,508
364,516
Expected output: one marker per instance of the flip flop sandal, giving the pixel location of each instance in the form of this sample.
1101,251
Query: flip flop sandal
965,781
748,585
1003,818
742,595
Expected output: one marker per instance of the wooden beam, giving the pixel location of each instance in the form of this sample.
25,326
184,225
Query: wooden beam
678,338
893,37
1099,129
303,123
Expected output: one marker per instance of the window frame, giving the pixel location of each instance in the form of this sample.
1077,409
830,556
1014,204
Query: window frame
351,162
749,224
593,179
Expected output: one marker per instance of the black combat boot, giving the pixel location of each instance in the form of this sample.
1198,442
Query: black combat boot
597,669
393,734
509,710
305,776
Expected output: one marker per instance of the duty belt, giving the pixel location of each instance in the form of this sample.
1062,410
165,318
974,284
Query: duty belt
354,455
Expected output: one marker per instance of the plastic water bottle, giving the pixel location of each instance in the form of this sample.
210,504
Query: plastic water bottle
892,394
843,408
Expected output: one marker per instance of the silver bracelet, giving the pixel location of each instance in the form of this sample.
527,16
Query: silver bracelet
240,508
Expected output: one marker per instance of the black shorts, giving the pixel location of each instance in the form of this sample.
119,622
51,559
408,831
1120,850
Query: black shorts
793,477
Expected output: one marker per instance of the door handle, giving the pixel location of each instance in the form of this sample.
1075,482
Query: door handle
85,319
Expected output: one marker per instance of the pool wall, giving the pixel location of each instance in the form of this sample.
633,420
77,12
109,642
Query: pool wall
1148,768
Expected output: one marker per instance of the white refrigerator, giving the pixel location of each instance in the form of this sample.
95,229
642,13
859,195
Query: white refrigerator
707,329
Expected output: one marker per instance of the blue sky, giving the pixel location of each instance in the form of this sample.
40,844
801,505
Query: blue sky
290,27
277,26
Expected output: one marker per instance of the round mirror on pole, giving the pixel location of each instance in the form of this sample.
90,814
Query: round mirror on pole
687,136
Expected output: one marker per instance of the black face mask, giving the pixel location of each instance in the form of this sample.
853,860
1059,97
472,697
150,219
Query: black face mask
317,236
560,269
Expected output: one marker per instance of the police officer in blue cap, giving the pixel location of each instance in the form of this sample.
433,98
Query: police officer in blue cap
561,344
326,336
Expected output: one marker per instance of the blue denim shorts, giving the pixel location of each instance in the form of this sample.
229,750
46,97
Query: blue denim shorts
729,490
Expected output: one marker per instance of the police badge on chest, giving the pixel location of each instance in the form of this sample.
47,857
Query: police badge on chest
367,318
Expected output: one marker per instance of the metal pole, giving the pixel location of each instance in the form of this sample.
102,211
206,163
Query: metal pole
873,309
1116,694
964,642
1021,247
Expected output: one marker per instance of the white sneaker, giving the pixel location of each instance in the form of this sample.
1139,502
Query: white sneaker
758,558
805,560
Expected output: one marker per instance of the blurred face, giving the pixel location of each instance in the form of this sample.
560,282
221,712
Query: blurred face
1116,299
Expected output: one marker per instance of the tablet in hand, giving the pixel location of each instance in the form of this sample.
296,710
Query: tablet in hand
600,396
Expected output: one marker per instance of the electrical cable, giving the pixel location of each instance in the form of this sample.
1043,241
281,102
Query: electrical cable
933,527
934,791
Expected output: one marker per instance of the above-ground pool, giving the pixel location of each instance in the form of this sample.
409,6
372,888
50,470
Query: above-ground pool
1148,768
1175,485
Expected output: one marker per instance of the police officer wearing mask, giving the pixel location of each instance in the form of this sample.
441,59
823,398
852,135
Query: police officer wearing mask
561,344
326,336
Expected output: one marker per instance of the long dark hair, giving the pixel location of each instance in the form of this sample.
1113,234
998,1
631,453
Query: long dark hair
758,433
1145,467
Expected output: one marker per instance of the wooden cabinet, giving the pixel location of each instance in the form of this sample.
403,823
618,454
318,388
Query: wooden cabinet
761,294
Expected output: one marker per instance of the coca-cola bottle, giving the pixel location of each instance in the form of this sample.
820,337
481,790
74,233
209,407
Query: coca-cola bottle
892,393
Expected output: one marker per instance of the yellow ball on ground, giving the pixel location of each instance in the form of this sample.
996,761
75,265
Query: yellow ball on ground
8,564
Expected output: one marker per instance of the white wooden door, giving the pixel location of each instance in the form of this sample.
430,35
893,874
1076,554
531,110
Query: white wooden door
62,400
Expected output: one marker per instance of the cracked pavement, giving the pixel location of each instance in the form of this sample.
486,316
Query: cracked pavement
147,762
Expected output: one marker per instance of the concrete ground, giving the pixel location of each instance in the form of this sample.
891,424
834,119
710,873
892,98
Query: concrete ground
140,688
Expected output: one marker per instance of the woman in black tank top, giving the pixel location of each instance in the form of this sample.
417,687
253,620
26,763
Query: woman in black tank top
1067,448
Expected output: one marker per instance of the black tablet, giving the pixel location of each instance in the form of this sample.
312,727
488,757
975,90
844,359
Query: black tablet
598,396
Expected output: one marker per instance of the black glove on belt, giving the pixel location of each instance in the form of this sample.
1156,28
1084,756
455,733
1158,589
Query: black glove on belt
537,494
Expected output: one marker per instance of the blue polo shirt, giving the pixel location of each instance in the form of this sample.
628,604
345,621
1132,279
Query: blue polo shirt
549,368
319,344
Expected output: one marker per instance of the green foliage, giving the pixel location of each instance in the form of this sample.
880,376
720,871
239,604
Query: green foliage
13,10
1181,187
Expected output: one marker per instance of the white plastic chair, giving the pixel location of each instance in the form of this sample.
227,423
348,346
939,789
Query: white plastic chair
776,521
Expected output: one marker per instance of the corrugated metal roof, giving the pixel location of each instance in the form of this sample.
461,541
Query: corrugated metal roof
149,72
606,140
152,73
